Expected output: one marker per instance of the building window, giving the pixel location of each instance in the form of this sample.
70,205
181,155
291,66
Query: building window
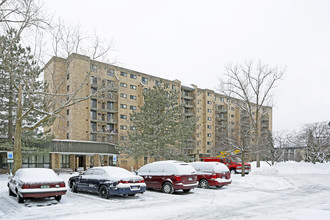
197,101
132,128
197,135
198,110
94,103
209,126
209,110
209,143
132,107
209,94
123,116
209,102
67,124
111,72
173,87
132,86
123,74
232,116
67,111
209,134
123,138
123,95
209,118
157,83
132,97
123,127
68,76
93,68
68,88
123,106
144,80
133,76
123,85
67,136
93,115
65,161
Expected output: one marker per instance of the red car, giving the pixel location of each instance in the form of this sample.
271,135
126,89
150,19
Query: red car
36,183
212,174
169,176
234,163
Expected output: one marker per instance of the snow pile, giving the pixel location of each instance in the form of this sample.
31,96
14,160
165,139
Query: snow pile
290,167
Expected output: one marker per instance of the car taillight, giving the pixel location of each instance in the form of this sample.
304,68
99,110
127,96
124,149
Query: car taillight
62,184
141,181
26,186
122,181
214,176
178,178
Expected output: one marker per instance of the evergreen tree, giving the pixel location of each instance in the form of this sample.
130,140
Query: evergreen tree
162,130
18,70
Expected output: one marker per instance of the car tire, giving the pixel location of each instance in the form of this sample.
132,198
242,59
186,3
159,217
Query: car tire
203,183
219,187
168,188
19,198
186,190
103,192
131,195
11,192
73,186
233,171
58,198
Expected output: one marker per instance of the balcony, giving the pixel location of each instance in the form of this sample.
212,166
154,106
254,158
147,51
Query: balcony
185,95
104,131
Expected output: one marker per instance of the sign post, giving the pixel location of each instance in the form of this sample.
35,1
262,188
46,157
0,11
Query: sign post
10,159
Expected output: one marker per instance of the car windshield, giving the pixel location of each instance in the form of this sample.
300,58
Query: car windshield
236,159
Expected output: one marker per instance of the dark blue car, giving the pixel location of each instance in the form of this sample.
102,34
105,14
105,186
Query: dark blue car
107,181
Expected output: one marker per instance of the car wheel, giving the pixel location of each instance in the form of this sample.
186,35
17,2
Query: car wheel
131,195
11,192
103,192
19,198
233,171
186,190
58,198
168,188
203,184
219,187
73,186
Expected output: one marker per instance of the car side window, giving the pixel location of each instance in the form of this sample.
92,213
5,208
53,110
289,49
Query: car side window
88,172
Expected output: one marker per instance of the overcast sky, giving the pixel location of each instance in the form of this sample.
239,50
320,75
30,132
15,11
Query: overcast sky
192,41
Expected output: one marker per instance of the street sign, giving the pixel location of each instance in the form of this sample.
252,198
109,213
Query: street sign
10,161
114,158
10,155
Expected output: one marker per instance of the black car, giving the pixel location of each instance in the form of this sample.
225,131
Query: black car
107,181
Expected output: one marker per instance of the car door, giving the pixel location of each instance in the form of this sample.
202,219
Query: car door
94,181
83,180
14,180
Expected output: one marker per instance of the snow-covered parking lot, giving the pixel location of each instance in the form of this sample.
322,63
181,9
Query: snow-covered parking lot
287,190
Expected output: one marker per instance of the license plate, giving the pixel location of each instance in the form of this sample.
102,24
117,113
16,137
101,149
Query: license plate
190,179
43,187
135,187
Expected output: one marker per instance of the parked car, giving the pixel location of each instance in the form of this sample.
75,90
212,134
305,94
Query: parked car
234,163
169,176
107,181
36,183
212,174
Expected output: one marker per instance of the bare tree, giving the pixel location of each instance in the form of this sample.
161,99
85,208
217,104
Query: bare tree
316,138
253,84
272,147
22,14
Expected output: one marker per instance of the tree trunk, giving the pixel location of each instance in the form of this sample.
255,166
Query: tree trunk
18,134
243,164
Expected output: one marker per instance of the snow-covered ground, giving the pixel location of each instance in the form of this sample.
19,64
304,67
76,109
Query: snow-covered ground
287,190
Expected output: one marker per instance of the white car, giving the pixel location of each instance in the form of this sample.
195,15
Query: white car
36,183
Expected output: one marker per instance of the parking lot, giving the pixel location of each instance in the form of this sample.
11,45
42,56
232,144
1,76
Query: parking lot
263,194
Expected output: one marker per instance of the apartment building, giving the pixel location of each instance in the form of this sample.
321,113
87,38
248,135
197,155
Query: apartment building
117,92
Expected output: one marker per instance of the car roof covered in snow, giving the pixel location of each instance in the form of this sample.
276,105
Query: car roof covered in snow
33,175
167,167
210,166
